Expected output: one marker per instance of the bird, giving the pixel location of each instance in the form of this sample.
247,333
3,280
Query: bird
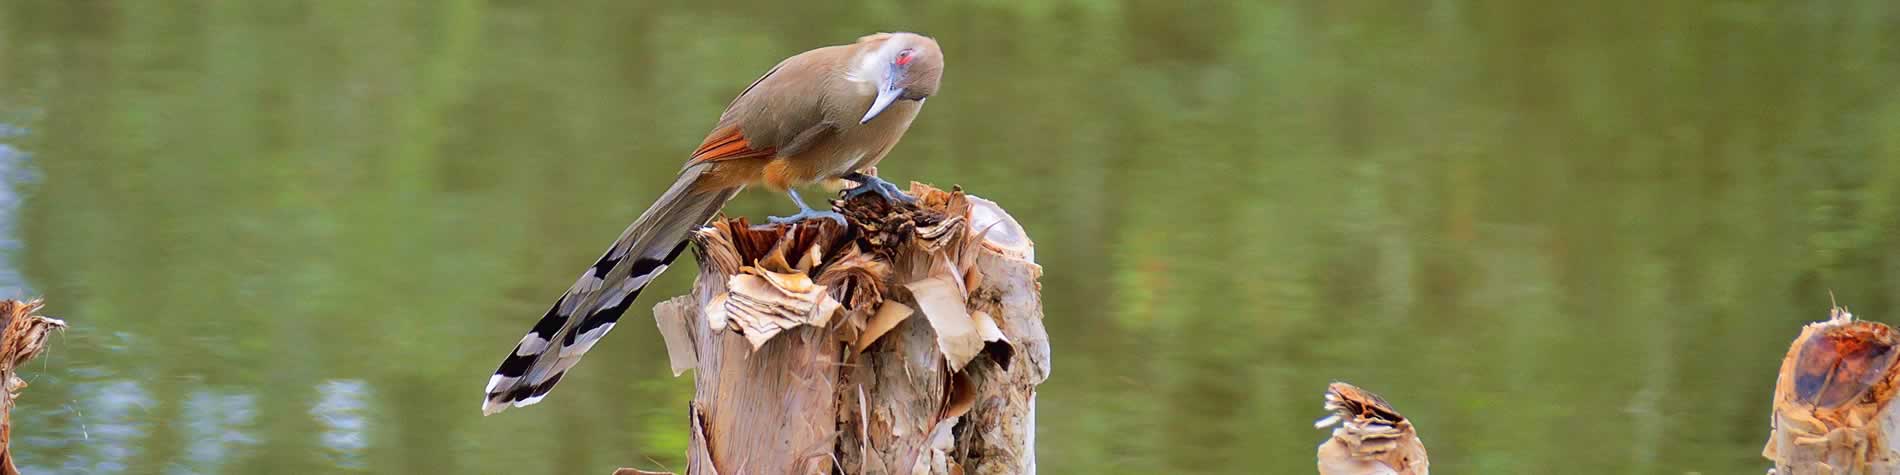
818,116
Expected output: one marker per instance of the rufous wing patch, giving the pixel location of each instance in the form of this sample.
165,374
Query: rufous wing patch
728,144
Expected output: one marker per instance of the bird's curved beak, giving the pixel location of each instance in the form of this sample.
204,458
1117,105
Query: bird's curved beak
886,96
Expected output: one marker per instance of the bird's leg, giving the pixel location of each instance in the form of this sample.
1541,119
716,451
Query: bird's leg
804,212
873,184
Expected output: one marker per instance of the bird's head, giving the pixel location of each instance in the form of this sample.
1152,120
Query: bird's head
900,67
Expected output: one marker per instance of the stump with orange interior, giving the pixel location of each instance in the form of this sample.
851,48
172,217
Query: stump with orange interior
1833,409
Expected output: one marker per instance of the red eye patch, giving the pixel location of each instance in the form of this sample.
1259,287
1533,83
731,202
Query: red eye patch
903,58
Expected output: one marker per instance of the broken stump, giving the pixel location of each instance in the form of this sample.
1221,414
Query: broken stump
22,337
1832,401
1372,437
909,341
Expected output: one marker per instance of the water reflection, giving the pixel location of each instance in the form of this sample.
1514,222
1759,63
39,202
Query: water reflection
341,410
215,425
114,417
15,171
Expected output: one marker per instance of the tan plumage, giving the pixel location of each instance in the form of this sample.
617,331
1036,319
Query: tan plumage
799,123
816,116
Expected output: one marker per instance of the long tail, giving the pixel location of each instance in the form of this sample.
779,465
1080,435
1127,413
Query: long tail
589,309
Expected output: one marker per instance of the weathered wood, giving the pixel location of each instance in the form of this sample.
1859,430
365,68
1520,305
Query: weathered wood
1832,401
909,341
1372,437
22,337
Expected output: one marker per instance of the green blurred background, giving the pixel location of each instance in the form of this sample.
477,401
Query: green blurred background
296,237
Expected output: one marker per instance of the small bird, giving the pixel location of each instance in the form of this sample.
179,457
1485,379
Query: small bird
821,115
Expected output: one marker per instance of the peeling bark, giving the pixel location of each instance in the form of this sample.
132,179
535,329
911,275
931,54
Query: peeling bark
909,341
1832,402
22,337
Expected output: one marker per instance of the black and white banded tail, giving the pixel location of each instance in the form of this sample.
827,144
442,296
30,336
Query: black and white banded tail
603,293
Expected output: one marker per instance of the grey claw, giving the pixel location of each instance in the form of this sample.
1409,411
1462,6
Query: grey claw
900,196
805,215
883,188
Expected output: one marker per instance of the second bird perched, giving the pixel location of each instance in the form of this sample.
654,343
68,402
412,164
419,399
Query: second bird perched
819,115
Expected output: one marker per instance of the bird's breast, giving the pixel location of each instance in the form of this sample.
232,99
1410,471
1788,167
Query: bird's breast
876,139
853,147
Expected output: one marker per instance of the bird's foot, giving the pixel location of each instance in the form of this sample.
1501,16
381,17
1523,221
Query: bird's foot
806,214
873,184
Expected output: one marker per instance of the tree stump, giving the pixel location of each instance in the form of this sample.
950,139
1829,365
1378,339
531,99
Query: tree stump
1372,437
22,337
1832,402
909,341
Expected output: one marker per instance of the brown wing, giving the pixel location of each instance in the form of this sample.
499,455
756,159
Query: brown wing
727,142
781,112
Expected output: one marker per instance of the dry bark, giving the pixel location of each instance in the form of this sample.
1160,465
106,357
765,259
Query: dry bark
1832,411
22,337
808,358
1372,437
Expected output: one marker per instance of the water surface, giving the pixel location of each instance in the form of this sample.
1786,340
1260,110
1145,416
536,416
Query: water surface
295,237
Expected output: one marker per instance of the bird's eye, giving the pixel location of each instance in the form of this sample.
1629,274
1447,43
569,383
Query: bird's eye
903,57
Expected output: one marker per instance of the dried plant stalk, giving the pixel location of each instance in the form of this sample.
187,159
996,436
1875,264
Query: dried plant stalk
909,341
1372,437
1832,411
